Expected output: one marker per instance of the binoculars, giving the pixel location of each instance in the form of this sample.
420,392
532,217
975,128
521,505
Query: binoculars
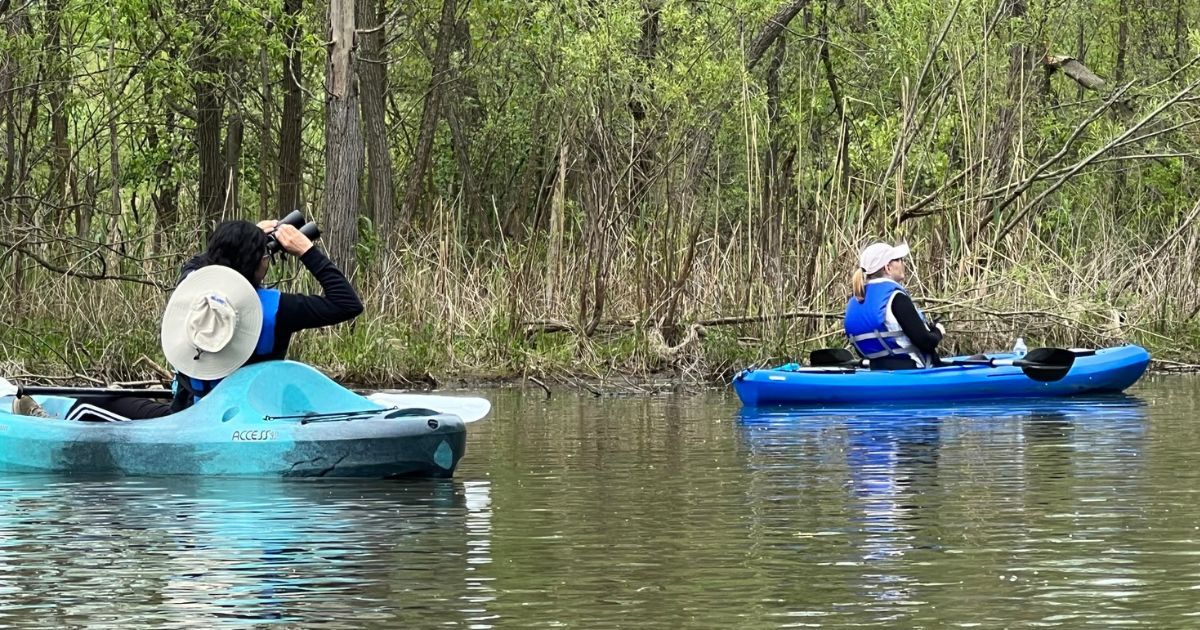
295,218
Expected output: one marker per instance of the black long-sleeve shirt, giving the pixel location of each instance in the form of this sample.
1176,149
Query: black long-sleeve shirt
922,335
298,312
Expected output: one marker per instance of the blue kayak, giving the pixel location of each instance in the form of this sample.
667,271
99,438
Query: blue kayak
1105,370
278,418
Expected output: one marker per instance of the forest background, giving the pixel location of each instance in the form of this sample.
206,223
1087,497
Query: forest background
572,188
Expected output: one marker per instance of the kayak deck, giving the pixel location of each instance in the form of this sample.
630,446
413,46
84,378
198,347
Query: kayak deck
278,418
1105,370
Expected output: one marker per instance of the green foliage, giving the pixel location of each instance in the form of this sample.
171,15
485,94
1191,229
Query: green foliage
693,185
369,243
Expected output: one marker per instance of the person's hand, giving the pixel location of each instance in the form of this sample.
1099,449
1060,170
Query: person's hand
939,326
292,241
267,225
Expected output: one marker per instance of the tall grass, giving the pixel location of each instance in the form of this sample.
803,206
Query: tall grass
439,308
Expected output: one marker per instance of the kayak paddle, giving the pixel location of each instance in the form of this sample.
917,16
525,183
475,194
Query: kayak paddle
9,389
1044,365
469,409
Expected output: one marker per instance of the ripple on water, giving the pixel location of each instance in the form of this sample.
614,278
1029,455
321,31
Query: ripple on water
656,512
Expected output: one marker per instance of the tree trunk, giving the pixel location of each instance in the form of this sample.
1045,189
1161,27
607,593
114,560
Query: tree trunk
460,138
165,193
1080,54
266,148
1003,131
771,30
209,109
16,170
56,97
233,164
8,113
1181,37
839,108
343,138
771,235
23,208
289,192
429,119
462,116
1122,41
1119,74
646,134
114,149
372,72
10,128
516,219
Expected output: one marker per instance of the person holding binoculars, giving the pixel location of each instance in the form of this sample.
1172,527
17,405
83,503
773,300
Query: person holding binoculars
208,333
220,317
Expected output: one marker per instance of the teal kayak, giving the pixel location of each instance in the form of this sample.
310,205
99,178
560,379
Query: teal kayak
278,418
1098,371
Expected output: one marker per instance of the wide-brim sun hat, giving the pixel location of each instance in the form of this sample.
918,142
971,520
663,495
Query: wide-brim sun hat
877,255
212,323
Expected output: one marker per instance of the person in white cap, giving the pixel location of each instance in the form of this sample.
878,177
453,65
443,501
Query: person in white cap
882,322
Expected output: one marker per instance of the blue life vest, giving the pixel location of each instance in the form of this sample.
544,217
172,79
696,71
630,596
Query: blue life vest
266,341
866,324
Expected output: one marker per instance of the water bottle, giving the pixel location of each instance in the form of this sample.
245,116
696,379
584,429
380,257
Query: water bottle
1019,347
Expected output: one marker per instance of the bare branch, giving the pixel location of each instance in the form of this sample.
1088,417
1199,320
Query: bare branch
771,30
66,271
1079,129
1079,166
1073,69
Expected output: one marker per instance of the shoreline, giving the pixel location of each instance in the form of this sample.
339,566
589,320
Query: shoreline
647,384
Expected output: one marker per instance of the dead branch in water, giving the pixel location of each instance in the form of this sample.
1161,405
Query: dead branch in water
1175,367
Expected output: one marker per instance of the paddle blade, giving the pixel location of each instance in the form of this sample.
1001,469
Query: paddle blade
1046,365
832,357
7,388
469,409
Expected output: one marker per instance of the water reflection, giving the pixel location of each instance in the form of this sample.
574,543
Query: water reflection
657,512
192,552
926,486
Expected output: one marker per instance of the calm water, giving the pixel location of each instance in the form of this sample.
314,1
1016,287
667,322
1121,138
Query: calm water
658,512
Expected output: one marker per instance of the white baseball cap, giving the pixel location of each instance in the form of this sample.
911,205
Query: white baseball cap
212,323
877,255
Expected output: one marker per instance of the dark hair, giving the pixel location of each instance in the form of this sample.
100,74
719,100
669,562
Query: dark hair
239,245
